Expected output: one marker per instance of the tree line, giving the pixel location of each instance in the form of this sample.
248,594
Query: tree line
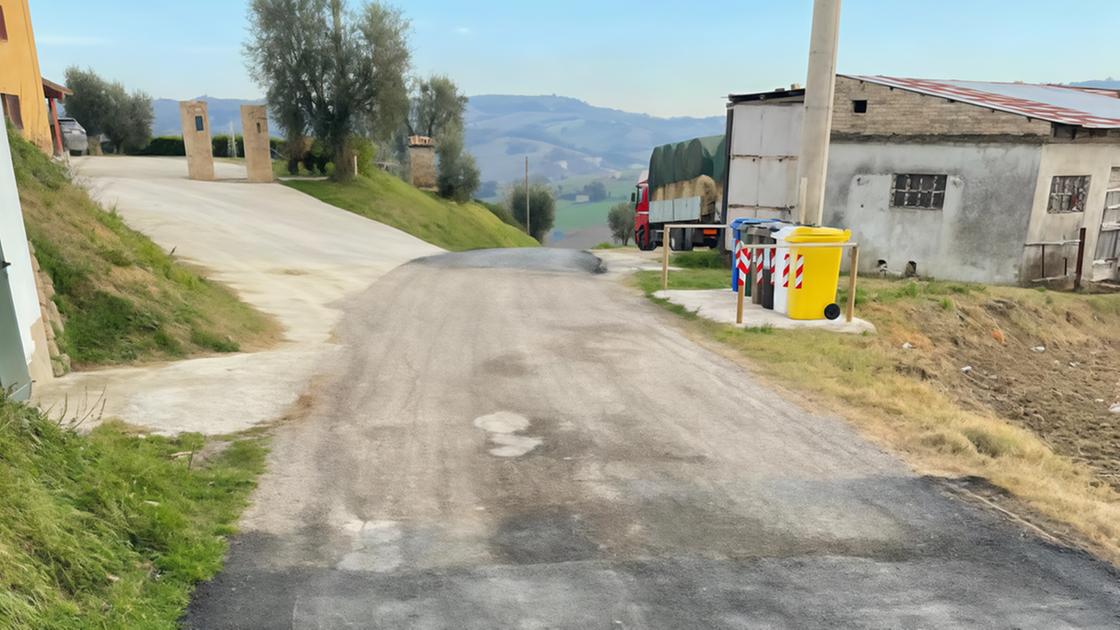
340,74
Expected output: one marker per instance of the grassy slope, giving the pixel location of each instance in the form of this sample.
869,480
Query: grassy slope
924,411
387,199
110,530
123,298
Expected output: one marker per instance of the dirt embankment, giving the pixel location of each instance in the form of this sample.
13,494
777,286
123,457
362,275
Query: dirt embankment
1045,361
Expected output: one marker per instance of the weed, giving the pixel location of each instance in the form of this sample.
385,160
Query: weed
699,259
110,530
211,341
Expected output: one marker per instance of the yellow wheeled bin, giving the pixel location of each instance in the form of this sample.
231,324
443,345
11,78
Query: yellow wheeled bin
815,272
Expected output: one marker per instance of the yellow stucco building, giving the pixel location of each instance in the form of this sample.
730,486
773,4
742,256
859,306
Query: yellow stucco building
22,94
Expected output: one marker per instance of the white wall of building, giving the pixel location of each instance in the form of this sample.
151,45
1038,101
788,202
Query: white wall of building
13,244
1094,160
979,233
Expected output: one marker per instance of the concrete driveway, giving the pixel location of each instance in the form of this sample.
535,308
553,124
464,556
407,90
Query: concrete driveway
509,440
284,252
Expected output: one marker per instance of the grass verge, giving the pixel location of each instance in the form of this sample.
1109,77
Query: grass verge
382,197
111,529
123,298
906,390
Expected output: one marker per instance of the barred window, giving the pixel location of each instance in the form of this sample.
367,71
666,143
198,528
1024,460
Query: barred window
1068,193
913,190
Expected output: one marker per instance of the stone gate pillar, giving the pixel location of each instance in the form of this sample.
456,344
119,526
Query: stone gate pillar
258,155
422,162
196,139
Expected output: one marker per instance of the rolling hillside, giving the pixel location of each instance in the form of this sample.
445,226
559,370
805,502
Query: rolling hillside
563,137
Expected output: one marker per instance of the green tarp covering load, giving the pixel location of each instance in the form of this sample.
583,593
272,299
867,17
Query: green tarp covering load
687,160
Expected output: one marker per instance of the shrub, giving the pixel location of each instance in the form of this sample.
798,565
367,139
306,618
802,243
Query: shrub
542,208
164,145
621,221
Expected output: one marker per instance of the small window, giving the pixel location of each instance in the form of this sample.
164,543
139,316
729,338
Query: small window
258,127
12,112
1068,193
199,124
912,190
3,27
859,107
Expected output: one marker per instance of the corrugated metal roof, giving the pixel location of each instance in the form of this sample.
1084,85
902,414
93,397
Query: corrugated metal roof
1052,103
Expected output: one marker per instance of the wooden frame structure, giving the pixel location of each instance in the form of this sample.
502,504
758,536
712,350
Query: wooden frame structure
853,266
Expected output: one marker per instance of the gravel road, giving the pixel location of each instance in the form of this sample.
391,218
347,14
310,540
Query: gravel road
509,440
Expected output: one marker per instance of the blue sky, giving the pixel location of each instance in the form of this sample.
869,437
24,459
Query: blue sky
654,56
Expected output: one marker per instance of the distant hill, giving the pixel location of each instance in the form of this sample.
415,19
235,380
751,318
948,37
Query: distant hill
563,137
1108,84
566,137
222,112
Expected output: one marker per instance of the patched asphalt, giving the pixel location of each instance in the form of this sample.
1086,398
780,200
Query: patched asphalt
510,440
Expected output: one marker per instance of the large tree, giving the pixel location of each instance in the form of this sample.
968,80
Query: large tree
331,71
108,108
436,105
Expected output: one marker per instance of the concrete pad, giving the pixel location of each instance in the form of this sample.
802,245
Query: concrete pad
720,304
627,260
284,252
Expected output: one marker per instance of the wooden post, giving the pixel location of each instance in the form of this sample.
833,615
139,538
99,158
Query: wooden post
853,272
1080,258
665,259
739,305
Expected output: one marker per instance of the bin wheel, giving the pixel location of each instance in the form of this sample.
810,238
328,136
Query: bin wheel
832,311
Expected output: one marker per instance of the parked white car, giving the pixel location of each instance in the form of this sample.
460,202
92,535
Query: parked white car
73,136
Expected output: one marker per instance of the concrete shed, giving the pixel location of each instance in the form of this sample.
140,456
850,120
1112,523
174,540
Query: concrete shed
961,180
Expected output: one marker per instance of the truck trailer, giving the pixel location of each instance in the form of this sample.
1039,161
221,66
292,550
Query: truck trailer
749,172
684,184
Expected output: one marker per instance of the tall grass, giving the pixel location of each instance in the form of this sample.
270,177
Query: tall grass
110,530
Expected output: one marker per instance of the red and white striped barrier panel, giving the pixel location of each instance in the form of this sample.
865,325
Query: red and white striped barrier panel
785,271
759,255
799,271
742,261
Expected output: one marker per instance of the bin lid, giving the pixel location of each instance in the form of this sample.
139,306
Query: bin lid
806,234
739,223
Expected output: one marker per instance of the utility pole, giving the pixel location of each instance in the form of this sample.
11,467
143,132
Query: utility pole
528,221
820,88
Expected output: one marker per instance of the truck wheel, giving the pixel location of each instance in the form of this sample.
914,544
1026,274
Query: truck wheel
686,240
675,240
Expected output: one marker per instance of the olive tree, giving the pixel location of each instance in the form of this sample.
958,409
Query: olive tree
108,108
436,105
331,71
458,176
621,221
542,208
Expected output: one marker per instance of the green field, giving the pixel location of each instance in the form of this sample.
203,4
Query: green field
576,216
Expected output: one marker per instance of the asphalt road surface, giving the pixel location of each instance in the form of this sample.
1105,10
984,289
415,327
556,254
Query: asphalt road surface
511,440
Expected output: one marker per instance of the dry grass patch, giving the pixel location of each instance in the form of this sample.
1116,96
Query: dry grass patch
905,389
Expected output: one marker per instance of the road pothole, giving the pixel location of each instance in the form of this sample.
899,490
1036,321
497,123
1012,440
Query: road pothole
503,427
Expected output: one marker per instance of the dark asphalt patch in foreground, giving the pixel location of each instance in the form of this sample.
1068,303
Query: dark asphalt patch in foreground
528,259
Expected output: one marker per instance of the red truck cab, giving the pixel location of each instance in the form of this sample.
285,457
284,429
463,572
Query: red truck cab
643,234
